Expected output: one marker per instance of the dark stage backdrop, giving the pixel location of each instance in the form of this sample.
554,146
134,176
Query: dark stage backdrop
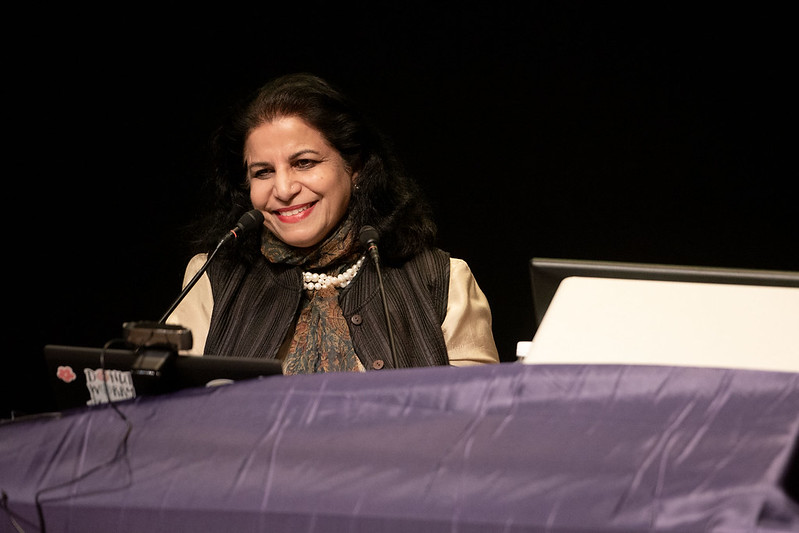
584,130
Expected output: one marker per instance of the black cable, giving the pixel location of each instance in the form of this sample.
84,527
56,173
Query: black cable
111,402
388,317
12,516
121,451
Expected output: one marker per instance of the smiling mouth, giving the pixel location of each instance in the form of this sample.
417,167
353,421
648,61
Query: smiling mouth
294,211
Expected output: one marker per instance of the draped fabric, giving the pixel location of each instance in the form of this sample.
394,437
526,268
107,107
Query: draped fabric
339,247
321,340
491,448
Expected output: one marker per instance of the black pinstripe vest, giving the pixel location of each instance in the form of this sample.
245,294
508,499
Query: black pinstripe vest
255,307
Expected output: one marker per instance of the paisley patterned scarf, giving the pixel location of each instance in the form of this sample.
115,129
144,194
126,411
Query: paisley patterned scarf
321,341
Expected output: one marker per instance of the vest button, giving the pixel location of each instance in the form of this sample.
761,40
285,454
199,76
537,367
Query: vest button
378,364
356,319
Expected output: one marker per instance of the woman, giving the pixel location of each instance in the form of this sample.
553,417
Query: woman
301,154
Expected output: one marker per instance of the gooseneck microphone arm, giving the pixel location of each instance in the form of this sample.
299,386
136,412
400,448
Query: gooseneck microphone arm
248,221
369,237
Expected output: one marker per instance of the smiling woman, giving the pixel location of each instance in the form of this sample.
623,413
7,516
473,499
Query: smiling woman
297,180
302,290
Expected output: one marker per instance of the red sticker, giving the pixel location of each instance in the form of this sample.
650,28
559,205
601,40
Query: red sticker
66,374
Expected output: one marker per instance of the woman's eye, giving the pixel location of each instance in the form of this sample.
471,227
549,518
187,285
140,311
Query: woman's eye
305,163
262,173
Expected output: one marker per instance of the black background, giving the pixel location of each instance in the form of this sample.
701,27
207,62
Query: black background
640,131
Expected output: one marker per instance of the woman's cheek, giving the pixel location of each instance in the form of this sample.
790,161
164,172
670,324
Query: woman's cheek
258,193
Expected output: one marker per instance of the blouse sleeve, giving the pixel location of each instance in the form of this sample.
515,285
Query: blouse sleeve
467,326
194,312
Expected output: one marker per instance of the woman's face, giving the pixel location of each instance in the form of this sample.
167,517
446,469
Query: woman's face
297,180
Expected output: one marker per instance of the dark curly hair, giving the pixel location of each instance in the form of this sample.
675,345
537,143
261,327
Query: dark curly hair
386,198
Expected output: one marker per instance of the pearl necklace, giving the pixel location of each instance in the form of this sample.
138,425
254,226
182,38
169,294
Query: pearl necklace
314,281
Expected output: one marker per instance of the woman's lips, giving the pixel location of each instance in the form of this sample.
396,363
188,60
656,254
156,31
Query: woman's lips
295,213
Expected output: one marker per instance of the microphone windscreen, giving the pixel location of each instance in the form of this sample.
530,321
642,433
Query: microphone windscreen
250,220
368,235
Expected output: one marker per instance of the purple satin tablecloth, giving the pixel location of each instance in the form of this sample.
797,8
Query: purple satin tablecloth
505,448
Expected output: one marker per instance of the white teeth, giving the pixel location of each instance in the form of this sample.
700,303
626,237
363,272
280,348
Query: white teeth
294,211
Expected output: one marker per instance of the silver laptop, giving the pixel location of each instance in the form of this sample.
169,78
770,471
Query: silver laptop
622,313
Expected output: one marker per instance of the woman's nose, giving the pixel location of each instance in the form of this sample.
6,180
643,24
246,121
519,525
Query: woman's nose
285,185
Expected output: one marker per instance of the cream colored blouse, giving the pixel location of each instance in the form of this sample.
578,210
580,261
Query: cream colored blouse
466,328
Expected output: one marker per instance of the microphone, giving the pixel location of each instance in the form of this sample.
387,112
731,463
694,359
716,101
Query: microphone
249,221
159,342
368,237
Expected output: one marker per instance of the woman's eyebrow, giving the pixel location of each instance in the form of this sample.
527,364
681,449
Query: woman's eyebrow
293,156
303,152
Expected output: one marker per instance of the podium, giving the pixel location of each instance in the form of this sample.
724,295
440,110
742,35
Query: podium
506,447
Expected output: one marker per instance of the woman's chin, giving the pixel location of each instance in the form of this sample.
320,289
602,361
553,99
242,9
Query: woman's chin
299,240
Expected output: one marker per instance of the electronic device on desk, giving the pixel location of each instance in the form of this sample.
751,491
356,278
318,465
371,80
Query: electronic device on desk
148,362
77,378
595,312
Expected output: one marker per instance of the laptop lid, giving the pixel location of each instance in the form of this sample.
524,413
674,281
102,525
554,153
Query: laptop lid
76,374
594,320
546,274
